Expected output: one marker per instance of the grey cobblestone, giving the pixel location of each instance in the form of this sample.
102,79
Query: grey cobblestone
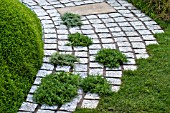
114,74
138,45
91,96
26,106
90,104
47,107
45,111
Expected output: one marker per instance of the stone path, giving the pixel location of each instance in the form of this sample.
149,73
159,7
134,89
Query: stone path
126,29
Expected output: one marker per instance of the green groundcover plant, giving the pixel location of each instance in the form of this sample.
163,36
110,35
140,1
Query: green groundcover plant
71,20
78,39
21,53
110,58
63,59
57,88
159,9
96,84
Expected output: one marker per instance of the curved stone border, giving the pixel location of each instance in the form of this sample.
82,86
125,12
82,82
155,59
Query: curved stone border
128,30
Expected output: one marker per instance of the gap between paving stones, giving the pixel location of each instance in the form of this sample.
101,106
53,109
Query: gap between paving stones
127,29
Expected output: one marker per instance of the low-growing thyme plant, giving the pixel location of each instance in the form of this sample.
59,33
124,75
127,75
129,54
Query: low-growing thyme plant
110,58
71,20
63,59
96,84
57,89
78,39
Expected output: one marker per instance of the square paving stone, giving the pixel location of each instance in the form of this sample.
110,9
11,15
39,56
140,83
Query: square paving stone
95,64
63,112
148,37
45,111
33,88
46,66
80,48
80,67
96,8
115,88
135,39
96,71
125,49
91,96
50,41
138,56
107,40
140,51
49,52
130,67
50,46
63,68
95,46
83,60
47,107
71,106
111,46
26,106
120,39
151,42
29,98
37,81
115,81
138,45
81,54
91,104
43,73
113,74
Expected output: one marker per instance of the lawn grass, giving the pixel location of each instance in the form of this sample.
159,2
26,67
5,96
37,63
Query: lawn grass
145,90
21,53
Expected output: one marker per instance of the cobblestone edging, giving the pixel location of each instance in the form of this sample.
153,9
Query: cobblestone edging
128,29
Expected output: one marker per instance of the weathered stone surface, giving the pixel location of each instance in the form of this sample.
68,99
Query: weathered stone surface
29,98
90,104
71,106
80,67
88,9
43,73
130,67
47,107
33,88
95,71
115,88
91,96
37,81
45,111
47,66
115,81
113,74
28,107
63,68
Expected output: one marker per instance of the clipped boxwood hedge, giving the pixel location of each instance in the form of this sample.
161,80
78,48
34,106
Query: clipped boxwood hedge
21,53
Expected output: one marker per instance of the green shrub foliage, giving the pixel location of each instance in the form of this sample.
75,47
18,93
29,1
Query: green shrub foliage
155,8
110,58
96,84
71,20
63,59
78,39
21,53
57,88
